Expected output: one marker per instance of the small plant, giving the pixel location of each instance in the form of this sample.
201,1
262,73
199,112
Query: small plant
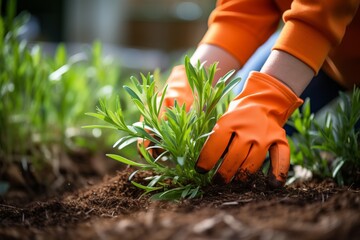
180,134
329,149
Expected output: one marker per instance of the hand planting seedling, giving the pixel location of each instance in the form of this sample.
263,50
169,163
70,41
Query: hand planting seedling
180,134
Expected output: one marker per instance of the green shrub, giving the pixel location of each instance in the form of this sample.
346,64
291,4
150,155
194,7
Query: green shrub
330,148
181,136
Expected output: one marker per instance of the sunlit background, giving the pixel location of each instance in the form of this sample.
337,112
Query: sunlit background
143,34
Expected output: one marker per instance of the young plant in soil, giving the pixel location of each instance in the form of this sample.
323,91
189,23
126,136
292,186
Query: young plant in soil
179,134
330,149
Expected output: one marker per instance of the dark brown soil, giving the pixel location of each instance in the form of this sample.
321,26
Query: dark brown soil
114,209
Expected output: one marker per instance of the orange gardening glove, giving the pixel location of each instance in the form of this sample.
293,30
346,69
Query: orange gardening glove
178,89
250,128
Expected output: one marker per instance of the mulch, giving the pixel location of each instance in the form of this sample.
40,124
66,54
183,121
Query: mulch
113,208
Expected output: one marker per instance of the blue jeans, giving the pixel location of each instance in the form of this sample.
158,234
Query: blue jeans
321,90
255,62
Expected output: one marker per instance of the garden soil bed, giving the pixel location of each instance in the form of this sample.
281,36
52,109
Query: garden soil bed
114,209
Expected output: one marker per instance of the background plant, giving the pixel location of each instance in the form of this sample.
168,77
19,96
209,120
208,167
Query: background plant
180,134
329,148
44,97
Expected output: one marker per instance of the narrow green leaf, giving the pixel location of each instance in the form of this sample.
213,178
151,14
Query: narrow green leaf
155,180
172,194
124,142
227,76
230,86
146,188
185,192
338,168
100,126
60,55
127,161
194,192
132,175
132,93
205,135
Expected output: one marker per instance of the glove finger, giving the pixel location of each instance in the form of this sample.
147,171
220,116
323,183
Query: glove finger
280,163
252,163
237,153
213,149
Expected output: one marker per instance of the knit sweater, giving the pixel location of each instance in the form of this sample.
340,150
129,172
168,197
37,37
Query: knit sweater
321,33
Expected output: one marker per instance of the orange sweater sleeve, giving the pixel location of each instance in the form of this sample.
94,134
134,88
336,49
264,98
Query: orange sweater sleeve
241,26
312,28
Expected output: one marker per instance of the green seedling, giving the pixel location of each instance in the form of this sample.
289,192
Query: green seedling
180,134
329,149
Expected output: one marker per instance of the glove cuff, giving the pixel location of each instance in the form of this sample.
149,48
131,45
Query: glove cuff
285,96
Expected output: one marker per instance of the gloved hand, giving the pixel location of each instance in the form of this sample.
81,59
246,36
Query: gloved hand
250,128
178,89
